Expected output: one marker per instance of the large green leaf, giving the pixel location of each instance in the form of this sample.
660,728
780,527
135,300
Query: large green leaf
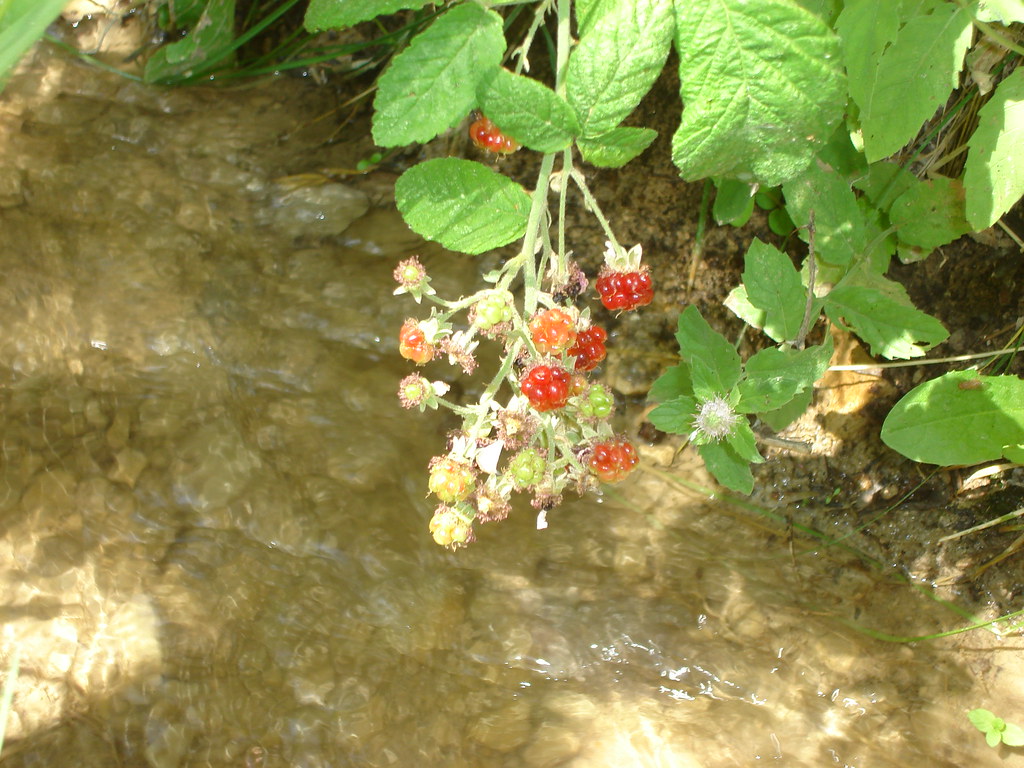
714,365
838,223
675,416
775,376
930,213
340,14
913,76
617,61
463,205
958,418
761,85
892,328
22,23
528,111
994,176
773,284
432,84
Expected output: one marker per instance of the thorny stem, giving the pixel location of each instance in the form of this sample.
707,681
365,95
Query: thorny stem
537,211
581,182
523,63
566,168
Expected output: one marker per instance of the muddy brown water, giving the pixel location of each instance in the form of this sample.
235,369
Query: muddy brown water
213,544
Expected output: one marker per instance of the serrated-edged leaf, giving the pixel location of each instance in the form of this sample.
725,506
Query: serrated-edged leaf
674,416
762,88
528,111
773,284
740,305
774,376
1003,11
839,226
866,28
463,205
782,417
617,61
916,74
930,213
742,440
939,422
699,344
727,466
1014,453
994,174
617,147
208,45
589,11
734,199
341,14
674,382
892,328
432,84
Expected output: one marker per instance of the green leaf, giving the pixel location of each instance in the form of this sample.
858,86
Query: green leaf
673,383
1014,453
938,422
674,416
734,200
714,363
740,305
528,111
727,466
589,11
1013,735
866,28
1003,11
762,89
432,84
930,213
993,176
885,182
982,719
21,25
340,14
838,223
891,328
463,205
208,45
742,440
914,76
773,284
782,417
617,147
775,376
617,61
993,737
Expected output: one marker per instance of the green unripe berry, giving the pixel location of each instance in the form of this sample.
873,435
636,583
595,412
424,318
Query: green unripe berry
596,403
492,310
526,468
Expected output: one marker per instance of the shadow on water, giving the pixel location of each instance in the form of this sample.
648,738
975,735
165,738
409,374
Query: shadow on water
213,513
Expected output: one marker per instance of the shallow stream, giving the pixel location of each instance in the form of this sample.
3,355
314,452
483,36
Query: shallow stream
213,541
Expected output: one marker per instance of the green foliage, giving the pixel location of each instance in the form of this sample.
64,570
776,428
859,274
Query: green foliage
463,205
22,22
432,84
761,86
993,177
958,418
617,147
996,729
210,43
341,14
528,111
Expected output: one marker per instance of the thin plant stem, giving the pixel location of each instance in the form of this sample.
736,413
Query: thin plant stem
581,182
933,361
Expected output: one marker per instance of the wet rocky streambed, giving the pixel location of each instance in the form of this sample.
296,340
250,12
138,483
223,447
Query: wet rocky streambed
213,542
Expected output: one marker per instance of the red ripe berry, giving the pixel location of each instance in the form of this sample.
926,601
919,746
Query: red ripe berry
546,387
486,135
613,459
413,344
553,331
589,348
625,290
